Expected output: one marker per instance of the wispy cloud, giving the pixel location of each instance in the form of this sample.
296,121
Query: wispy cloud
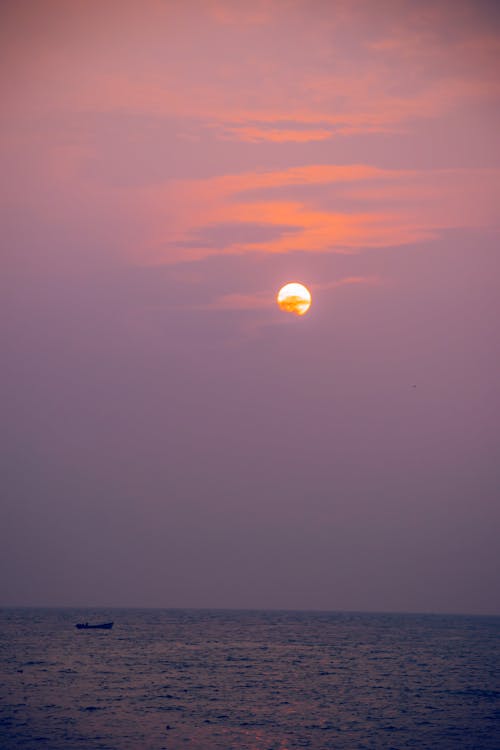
347,281
358,206
254,134
200,146
266,300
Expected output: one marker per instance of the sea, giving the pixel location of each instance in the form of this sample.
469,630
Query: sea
248,680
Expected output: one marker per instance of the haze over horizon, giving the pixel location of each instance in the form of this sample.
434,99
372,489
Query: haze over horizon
170,437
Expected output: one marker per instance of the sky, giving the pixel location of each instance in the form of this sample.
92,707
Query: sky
170,437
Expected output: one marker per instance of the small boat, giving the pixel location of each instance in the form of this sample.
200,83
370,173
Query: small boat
101,626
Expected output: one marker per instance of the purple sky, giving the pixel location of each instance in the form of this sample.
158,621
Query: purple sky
171,438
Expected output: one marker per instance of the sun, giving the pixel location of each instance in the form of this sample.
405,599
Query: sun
294,298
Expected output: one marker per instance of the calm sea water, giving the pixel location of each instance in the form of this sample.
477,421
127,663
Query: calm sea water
201,680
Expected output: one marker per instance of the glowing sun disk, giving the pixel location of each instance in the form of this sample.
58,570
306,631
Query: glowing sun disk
294,298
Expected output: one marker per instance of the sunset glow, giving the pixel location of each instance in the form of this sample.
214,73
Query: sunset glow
172,437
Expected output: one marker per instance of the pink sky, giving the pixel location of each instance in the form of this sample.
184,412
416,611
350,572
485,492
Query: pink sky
166,166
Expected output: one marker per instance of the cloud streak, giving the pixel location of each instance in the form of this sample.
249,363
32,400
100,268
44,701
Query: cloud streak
265,300
381,208
197,133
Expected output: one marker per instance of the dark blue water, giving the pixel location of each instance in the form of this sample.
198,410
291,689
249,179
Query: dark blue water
261,680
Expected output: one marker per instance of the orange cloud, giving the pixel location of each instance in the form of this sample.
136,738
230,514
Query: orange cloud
348,281
257,135
216,76
385,208
341,65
